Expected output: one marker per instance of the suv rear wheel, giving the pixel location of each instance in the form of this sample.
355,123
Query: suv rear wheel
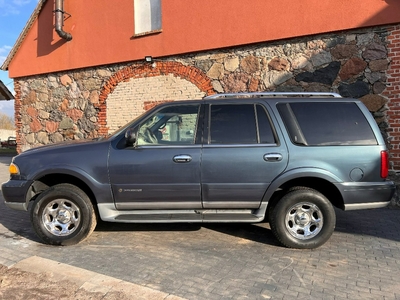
63,215
303,218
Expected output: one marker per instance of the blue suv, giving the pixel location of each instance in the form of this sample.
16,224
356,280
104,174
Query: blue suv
286,158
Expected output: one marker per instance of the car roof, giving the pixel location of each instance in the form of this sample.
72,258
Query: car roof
271,97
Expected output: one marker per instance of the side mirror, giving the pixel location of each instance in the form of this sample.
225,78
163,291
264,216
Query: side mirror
130,136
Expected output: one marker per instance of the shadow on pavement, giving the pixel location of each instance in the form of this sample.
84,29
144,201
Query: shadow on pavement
17,222
253,232
382,223
115,227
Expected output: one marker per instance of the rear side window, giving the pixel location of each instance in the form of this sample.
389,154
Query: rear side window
326,123
240,124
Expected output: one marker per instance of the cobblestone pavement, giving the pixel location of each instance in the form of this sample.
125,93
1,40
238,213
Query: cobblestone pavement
231,261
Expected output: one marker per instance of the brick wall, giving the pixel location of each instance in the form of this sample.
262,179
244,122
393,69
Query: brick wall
130,98
392,92
155,83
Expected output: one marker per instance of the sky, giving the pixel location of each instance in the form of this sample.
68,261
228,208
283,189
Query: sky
14,14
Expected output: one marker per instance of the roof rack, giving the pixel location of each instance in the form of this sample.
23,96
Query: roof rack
274,94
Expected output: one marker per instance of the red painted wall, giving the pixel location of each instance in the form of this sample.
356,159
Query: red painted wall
102,30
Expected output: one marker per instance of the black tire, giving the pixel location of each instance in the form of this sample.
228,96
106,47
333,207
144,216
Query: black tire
303,218
63,215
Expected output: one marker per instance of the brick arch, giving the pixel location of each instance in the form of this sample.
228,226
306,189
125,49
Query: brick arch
192,74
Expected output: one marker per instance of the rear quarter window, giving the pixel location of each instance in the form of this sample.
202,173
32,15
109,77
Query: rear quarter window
326,123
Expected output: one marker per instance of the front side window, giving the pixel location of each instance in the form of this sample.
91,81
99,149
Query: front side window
239,124
172,125
147,16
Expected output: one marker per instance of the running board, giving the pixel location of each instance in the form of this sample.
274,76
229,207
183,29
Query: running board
109,213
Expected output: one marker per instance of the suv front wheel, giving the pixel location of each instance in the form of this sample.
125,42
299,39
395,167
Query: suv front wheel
63,215
303,218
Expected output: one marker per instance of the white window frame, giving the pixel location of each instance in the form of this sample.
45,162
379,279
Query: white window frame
147,17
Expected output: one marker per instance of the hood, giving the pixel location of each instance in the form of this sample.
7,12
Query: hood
59,146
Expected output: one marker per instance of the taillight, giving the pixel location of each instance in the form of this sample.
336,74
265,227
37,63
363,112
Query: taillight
384,164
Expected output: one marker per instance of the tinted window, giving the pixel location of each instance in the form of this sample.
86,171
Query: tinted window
264,127
326,123
233,124
172,125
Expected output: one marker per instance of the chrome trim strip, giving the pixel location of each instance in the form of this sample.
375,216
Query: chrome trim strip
17,205
231,205
372,185
239,145
121,206
108,212
357,206
162,146
225,211
274,94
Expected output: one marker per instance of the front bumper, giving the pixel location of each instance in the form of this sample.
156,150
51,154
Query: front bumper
14,193
364,195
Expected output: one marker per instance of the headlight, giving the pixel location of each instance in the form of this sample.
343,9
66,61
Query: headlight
13,169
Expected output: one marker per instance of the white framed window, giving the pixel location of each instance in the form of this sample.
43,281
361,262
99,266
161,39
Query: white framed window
147,16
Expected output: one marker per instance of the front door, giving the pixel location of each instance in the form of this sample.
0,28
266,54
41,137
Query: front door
162,169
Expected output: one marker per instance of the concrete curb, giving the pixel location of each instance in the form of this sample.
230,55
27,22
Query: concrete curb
90,281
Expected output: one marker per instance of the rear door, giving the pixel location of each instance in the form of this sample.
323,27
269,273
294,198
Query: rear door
242,153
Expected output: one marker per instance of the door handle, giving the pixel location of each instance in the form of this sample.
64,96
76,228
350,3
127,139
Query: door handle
273,157
182,158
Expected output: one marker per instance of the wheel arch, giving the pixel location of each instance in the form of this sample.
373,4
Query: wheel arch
313,179
47,180
52,179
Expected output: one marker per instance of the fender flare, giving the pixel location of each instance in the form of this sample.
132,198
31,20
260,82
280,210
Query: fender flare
298,173
97,188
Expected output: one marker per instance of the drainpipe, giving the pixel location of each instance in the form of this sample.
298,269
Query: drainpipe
59,21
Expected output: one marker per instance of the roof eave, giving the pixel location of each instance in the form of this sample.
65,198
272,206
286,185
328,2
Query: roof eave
5,94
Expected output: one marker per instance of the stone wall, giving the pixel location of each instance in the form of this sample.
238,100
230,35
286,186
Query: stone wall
82,104
353,64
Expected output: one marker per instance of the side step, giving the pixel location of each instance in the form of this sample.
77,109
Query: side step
109,213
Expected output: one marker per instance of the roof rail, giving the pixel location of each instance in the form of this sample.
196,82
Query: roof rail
275,94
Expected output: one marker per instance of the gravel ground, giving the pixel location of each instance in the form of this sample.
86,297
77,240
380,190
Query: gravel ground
18,284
